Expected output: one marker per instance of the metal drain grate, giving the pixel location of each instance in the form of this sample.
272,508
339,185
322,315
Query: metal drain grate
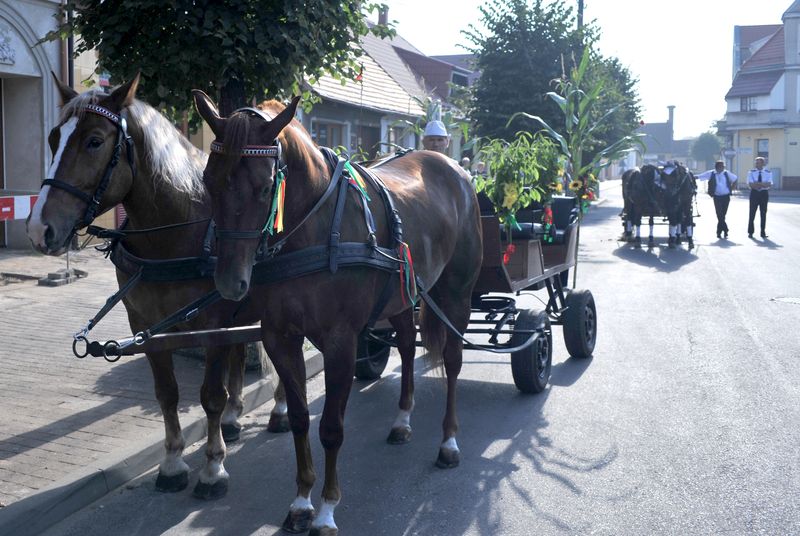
794,301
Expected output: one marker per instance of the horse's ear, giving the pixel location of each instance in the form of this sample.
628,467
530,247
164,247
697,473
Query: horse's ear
123,96
208,111
67,93
286,116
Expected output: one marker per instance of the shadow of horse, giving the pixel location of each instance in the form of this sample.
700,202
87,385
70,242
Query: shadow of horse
659,257
423,499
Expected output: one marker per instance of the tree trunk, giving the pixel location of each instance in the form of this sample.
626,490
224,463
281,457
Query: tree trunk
232,96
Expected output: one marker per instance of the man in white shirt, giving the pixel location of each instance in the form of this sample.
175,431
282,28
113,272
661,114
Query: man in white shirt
760,181
721,183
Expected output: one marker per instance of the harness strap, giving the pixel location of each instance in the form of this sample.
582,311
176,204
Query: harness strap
114,299
336,225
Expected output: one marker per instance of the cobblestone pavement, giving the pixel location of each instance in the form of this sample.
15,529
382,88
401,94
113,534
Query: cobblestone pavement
61,414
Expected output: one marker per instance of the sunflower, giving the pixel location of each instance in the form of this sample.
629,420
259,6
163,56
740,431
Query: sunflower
575,185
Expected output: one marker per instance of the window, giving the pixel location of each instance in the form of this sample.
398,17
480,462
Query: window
762,148
327,134
460,79
748,104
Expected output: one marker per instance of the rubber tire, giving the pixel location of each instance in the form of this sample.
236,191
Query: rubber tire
531,367
378,356
580,323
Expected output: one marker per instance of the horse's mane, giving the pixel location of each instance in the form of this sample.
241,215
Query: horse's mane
237,130
171,156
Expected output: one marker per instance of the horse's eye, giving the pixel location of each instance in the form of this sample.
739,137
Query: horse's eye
94,143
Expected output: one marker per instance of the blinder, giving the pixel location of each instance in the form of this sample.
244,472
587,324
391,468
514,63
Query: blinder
93,201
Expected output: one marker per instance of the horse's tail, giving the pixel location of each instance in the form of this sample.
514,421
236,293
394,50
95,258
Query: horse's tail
434,336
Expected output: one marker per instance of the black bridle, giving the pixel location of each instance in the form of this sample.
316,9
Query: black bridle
93,201
255,151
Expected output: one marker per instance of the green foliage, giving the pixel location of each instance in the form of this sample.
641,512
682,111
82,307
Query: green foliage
527,46
578,109
706,148
236,51
525,170
518,57
453,121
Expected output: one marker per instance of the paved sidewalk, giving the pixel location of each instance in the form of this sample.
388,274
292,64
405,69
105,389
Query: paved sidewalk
74,429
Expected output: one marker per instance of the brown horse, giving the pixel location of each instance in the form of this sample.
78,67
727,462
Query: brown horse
165,188
441,227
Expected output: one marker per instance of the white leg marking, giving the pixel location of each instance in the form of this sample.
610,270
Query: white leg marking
230,415
403,419
213,472
36,227
638,231
301,503
690,231
325,516
280,408
173,464
450,444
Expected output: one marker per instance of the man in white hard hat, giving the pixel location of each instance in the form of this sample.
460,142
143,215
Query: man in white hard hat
436,137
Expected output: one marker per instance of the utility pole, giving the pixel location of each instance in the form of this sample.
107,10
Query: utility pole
580,15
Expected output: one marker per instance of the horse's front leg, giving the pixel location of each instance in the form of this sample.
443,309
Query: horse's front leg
406,334
213,482
340,364
286,353
231,427
173,473
279,416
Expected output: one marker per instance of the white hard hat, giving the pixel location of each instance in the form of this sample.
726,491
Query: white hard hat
435,128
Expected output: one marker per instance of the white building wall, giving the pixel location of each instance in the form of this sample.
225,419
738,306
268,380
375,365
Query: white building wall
777,99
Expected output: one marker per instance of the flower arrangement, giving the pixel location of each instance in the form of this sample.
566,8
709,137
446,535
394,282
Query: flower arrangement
584,189
526,170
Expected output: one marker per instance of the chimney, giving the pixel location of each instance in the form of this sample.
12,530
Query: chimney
670,124
383,16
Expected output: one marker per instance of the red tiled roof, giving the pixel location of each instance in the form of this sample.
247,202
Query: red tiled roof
769,55
750,34
753,83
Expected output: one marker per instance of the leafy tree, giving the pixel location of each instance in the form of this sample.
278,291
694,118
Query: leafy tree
528,49
237,50
706,149
521,53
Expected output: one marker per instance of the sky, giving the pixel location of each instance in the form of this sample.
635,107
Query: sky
680,50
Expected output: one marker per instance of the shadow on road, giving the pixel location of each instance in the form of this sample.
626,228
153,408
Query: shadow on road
659,257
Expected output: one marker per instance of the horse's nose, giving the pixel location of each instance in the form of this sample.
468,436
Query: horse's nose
49,237
243,286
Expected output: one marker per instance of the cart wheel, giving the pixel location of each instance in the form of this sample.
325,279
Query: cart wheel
371,359
531,366
580,323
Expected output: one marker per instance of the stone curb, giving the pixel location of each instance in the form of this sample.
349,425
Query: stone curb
35,513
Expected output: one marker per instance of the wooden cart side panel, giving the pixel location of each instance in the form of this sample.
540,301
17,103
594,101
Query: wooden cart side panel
493,276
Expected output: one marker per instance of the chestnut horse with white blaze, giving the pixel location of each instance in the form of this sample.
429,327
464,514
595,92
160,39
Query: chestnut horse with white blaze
264,167
157,176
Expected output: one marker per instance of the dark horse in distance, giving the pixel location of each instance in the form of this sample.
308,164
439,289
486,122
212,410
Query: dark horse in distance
659,191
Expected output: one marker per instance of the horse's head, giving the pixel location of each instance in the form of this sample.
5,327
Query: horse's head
83,179
241,177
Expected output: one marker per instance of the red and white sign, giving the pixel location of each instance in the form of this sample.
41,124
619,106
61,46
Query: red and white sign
16,207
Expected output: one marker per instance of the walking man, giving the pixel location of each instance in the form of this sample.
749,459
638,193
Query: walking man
721,184
760,181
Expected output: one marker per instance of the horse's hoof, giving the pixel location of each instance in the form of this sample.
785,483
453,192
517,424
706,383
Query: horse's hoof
447,459
173,483
278,423
399,436
210,492
323,531
298,521
691,244
231,432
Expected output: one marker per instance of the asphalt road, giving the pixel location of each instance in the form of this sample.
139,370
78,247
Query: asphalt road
685,421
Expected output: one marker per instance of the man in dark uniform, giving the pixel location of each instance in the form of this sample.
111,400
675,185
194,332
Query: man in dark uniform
760,181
